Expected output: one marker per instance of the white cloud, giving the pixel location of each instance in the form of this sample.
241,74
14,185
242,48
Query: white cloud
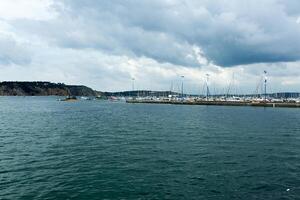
25,9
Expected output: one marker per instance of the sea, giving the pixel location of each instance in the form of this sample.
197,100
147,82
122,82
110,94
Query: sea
51,149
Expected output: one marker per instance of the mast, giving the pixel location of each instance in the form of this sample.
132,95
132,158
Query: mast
132,79
182,78
171,88
265,84
207,88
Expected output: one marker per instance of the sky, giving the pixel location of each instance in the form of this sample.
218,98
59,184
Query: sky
105,44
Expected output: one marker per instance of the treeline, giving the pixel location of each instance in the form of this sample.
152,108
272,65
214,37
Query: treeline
43,88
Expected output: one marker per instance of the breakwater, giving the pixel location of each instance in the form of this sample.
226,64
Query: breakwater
220,103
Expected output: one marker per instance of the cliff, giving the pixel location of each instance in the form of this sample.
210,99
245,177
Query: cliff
44,89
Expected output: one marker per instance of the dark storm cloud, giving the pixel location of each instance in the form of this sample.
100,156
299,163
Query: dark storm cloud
228,32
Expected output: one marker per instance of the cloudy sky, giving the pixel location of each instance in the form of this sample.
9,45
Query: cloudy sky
103,44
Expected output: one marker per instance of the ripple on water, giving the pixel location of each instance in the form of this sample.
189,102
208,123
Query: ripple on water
102,150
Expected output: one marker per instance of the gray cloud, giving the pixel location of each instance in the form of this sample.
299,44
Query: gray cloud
230,33
12,52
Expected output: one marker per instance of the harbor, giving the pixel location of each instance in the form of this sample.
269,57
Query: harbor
258,99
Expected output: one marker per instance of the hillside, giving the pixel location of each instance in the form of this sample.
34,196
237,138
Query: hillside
43,89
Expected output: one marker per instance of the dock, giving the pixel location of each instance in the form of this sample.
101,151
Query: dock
218,103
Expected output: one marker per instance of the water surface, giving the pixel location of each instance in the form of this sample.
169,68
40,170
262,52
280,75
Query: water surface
104,150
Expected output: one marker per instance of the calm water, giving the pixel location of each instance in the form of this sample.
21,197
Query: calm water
103,150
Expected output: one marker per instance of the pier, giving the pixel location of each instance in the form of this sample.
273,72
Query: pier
218,103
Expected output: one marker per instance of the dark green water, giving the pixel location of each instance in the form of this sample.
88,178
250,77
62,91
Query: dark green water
103,150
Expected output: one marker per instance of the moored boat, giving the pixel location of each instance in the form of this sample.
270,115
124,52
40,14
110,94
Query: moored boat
70,98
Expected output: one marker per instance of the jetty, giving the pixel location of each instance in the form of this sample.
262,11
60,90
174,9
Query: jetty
218,103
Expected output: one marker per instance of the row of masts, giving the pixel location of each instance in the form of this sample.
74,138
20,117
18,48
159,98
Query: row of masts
207,88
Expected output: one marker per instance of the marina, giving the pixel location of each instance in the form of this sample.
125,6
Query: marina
257,99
